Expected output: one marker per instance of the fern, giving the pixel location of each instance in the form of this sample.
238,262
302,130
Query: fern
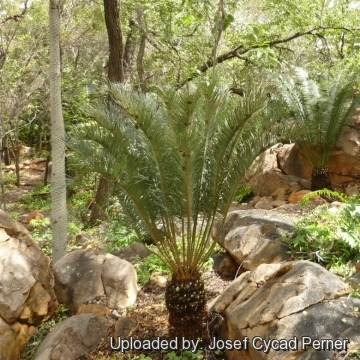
324,192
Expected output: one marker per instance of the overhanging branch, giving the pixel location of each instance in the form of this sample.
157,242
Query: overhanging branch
17,17
240,50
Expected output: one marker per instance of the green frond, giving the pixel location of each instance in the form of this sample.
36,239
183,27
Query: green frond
177,158
321,110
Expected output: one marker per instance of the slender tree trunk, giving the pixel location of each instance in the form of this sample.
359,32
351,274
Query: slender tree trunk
115,74
129,55
116,44
58,184
140,55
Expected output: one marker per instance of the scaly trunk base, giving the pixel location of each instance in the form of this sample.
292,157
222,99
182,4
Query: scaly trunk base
320,179
185,300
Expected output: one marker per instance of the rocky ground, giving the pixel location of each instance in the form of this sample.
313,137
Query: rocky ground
149,312
150,315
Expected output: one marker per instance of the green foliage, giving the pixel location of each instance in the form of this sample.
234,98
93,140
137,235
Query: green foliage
118,236
327,193
243,193
320,108
185,355
152,263
177,158
37,199
329,238
42,234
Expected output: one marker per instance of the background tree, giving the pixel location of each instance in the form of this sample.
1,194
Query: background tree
58,180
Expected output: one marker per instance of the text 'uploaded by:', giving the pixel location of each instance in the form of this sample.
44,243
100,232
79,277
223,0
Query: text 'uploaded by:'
258,343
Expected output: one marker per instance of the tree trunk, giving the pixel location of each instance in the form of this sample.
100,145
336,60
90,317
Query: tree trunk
115,74
320,179
58,184
129,55
186,302
103,192
116,45
140,55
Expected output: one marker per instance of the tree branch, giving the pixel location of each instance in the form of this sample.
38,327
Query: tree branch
17,17
240,50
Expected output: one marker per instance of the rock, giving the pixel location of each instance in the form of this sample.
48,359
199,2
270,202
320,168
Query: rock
158,279
83,238
266,183
306,184
279,194
135,250
73,338
225,266
265,205
3,236
251,237
93,309
26,287
344,162
11,226
35,215
277,203
78,277
125,253
83,275
354,280
140,250
295,197
353,190
120,282
124,326
36,305
281,301
26,283
12,339
292,162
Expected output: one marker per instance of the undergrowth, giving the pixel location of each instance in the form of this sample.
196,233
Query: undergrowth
329,236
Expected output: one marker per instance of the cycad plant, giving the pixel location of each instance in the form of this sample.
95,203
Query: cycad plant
321,110
178,157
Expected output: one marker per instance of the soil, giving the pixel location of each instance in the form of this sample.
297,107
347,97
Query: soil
150,315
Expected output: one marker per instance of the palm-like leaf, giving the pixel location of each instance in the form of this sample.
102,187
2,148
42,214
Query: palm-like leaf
178,157
321,110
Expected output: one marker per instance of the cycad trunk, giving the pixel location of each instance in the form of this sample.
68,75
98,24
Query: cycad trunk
320,178
186,302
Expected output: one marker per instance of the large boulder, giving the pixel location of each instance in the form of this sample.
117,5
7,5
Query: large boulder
83,275
26,286
253,237
73,338
283,166
297,301
344,162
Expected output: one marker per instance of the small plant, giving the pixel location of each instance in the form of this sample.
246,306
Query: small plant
145,267
185,355
243,193
332,239
118,236
324,192
39,198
